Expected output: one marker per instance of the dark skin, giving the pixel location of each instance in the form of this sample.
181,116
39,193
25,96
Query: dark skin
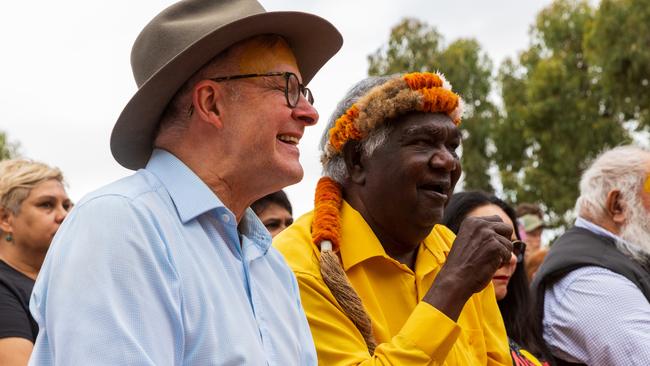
413,173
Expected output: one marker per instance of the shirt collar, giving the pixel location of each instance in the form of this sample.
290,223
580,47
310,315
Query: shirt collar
596,229
190,194
253,228
359,243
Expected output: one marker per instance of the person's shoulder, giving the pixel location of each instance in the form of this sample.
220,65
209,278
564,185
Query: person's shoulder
131,202
129,188
597,279
295,244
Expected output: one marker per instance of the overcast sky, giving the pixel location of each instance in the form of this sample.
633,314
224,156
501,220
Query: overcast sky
65,74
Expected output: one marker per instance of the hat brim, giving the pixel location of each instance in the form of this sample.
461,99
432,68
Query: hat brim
312,39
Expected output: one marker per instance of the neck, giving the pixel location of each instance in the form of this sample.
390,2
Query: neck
226,190
220,175
27,262
605,223
401,248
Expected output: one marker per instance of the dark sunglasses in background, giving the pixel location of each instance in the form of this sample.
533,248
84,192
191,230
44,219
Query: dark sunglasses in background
518,249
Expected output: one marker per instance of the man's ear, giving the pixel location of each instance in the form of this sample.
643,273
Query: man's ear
207,99
6,220
616,208
353,162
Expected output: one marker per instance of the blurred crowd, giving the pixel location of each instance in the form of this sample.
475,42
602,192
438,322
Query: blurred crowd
196,259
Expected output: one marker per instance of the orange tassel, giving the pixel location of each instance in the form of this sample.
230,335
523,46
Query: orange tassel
326,224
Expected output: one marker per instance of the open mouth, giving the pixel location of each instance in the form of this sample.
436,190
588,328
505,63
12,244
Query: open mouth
292,140
439,188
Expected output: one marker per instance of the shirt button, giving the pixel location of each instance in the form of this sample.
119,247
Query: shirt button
225,218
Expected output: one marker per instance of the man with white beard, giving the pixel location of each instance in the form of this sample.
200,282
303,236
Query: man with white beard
593,290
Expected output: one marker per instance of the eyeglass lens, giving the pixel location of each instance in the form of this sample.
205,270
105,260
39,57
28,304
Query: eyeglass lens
294,89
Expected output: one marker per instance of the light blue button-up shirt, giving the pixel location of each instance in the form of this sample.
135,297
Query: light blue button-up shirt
153,270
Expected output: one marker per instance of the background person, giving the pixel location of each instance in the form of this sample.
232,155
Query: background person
593,289
510,281
534,262
33,203
274,210
531,220
380,281
170,266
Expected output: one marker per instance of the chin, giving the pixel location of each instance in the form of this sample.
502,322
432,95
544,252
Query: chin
431,217
287,174
500,293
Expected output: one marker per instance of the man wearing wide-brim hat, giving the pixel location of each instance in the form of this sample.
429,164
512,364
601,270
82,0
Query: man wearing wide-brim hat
169,266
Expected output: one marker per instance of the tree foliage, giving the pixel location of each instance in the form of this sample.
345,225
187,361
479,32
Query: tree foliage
7,149
619,44
415,46
581,86
557,113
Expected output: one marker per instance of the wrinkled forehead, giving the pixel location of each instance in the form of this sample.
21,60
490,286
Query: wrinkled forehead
265,54
435,124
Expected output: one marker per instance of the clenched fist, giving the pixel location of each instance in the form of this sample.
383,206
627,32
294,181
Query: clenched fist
481,247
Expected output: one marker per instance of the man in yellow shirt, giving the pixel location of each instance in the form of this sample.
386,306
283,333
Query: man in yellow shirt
380,282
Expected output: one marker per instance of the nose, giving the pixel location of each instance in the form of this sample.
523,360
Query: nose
60,214
305,112
444,159
513,261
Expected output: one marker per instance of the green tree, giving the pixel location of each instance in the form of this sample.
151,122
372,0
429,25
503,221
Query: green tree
7,149
619,44
557,114
416,46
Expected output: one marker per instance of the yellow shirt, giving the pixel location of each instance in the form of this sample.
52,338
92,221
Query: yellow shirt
408,331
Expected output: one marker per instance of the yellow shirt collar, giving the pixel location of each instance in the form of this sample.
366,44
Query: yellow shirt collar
359,243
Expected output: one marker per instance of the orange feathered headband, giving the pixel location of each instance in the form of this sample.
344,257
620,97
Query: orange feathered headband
418,91
423,92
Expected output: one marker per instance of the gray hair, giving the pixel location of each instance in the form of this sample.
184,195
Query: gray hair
335,167
622,168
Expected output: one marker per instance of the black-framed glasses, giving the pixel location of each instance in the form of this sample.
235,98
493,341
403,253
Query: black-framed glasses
292,86
519,249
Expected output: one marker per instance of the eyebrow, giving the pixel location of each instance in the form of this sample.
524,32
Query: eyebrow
436,131
415,130
50,197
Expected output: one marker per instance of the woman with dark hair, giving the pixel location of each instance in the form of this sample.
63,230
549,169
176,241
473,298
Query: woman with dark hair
274,210
510,281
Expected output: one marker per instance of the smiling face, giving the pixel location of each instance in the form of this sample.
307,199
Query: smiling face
502,276
39,216
409,178
263,131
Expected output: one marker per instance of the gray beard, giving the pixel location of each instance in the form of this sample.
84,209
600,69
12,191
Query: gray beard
635,234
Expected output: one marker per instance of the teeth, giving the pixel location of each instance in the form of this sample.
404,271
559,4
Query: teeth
288,139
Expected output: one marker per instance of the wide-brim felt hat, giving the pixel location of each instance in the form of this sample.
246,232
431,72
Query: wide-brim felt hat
184,37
